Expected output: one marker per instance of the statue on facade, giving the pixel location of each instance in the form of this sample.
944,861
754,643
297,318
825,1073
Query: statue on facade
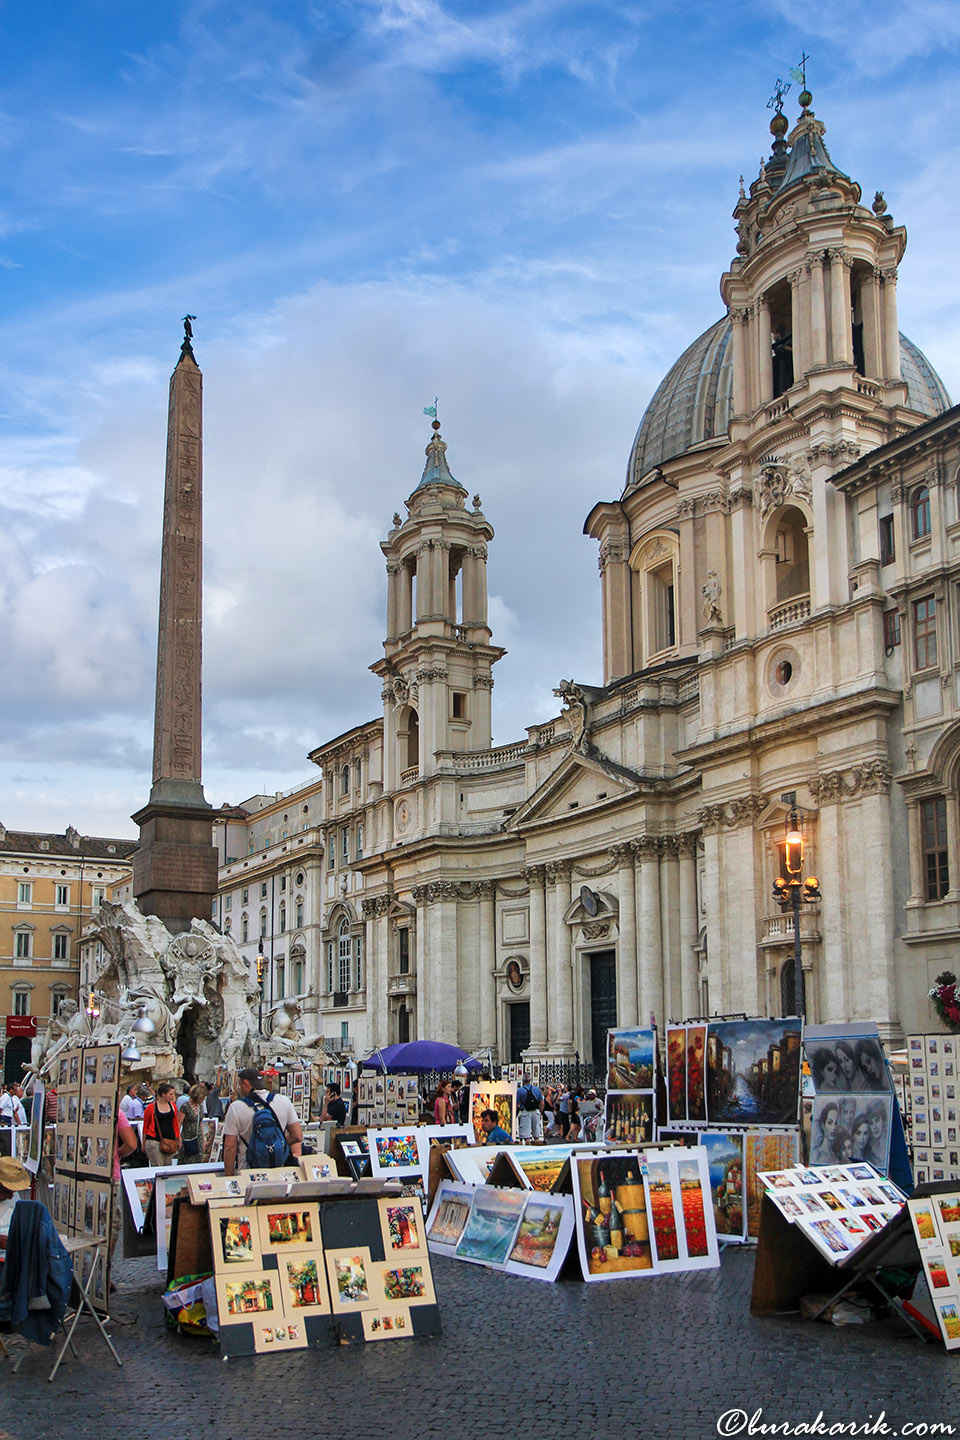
711,593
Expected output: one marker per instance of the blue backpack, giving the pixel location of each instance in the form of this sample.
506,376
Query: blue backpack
267,1147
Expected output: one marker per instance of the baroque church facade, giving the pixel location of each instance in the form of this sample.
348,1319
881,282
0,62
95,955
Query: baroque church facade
780,592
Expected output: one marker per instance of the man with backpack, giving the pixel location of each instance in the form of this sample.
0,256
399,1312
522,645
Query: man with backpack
264,1124
529,1110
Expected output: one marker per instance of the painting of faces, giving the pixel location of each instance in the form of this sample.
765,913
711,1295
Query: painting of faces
853,1095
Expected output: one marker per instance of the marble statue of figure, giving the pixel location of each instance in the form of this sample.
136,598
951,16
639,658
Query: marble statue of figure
711,593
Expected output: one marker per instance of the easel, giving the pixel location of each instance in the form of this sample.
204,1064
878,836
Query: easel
77,1246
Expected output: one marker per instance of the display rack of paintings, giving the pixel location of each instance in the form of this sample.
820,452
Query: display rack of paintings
837,1207
734,1073
643,1213
388,1100
35,1143
404,1154
854,1109
514,1230
629,1110
532,1167
88,1083
933,1106
935,1218
295,1085
498,1095
734,1158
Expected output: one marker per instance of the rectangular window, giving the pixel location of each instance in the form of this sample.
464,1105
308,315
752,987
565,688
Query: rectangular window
888,551
403,938
245,896
359,842
280,979
891,629
331,852
56,1000
25,893
345,845
283,883
343,977
61,946
63,897
21,1002
298,977
925,632
24,946
329,967
358,962
933,827
459,700
228,902
97,896
344,1031
263,889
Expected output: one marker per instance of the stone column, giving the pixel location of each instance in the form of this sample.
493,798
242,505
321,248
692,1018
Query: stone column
891,333
915,832
533,876
419,895
798,325
394,569
764,351
741,398
627,1012
840,330
670,926
616,600
650,974
818,309
870,306
475,586
877,997
405,599
443,921
689,926
487,962
424,580
559,973
441,581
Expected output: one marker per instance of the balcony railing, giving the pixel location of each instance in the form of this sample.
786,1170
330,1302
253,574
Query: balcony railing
401,985
778,929
410,776
792,610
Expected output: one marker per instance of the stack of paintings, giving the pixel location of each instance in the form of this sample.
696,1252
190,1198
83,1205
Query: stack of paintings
404,1154
632,1057
936,1226
295,1084
271,1285
81,1199
837,1207
854,1109
934,1106
734,1073
644,1213
520,1232
515,1073
388,1100
735,1158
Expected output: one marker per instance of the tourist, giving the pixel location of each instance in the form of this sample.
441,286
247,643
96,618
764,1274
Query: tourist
128,1143
161,1127
213,1104
493,1131
443,1111
334,1106
190,1133
563,1109
238,1125
529,1109
549,1111
573,1114
589,1109
12,1114
131,1104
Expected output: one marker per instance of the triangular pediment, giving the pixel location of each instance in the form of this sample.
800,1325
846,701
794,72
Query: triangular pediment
580,782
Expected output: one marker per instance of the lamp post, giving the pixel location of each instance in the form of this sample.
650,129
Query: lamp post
791,892
261,962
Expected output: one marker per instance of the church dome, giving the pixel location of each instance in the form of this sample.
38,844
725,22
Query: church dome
694,401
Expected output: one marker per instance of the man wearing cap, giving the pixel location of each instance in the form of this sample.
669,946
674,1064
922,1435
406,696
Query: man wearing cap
238,1125
14,1177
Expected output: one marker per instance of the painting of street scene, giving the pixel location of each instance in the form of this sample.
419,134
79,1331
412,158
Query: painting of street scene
630,1059
753,1072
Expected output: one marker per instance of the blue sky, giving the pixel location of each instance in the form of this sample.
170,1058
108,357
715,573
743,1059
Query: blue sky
522,207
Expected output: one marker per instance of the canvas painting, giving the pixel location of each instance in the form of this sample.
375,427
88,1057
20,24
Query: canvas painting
677,1072
753,1072
448,1216
407,1284
397,1152
628,1118
288,1227
663,1217
304,1285
696,1072
501,1097
613,1232
540,1165
725,1168
492,1226
631,1059
544,1237
765,1150
353,1280
403,1226
237,1237
849,1127
250,1296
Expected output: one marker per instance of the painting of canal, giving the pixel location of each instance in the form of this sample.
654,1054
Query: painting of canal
753,1072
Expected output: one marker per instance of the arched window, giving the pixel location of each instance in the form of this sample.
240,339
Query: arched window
343,956
920,513
345,780
792,555
656,563
412,758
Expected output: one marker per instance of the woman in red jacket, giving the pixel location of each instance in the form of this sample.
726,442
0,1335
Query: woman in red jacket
161,1127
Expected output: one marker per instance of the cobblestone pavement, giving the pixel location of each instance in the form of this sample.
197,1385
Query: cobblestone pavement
518,1358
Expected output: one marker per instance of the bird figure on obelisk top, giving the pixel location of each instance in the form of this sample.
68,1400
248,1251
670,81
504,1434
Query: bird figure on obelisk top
175,866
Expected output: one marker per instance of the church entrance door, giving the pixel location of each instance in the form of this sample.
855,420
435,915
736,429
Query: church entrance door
603,1001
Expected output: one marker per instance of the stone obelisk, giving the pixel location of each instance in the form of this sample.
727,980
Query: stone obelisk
175,864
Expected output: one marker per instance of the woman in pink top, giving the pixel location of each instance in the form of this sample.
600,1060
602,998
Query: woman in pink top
443,1113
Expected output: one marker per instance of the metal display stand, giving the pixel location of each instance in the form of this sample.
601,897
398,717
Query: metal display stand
77,1246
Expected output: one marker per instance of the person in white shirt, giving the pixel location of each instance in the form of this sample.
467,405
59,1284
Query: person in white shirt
238,1125
131,1104
11,1113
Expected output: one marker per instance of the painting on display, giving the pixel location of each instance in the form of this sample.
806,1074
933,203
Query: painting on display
854,1102
677,1072
753,1072
628,1117
498,1095
681,1215
543,1238
725,1168
932,1100
613,1232
765,1150
448,1216
936,1226
82,1195
631,1059
492,1226
836,1207
696,1073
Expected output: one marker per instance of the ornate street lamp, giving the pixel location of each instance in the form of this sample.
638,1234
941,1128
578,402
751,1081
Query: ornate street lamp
793,891
261,964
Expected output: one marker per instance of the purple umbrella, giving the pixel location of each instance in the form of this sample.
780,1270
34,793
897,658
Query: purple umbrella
416,1057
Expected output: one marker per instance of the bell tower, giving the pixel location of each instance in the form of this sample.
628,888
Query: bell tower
437,661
